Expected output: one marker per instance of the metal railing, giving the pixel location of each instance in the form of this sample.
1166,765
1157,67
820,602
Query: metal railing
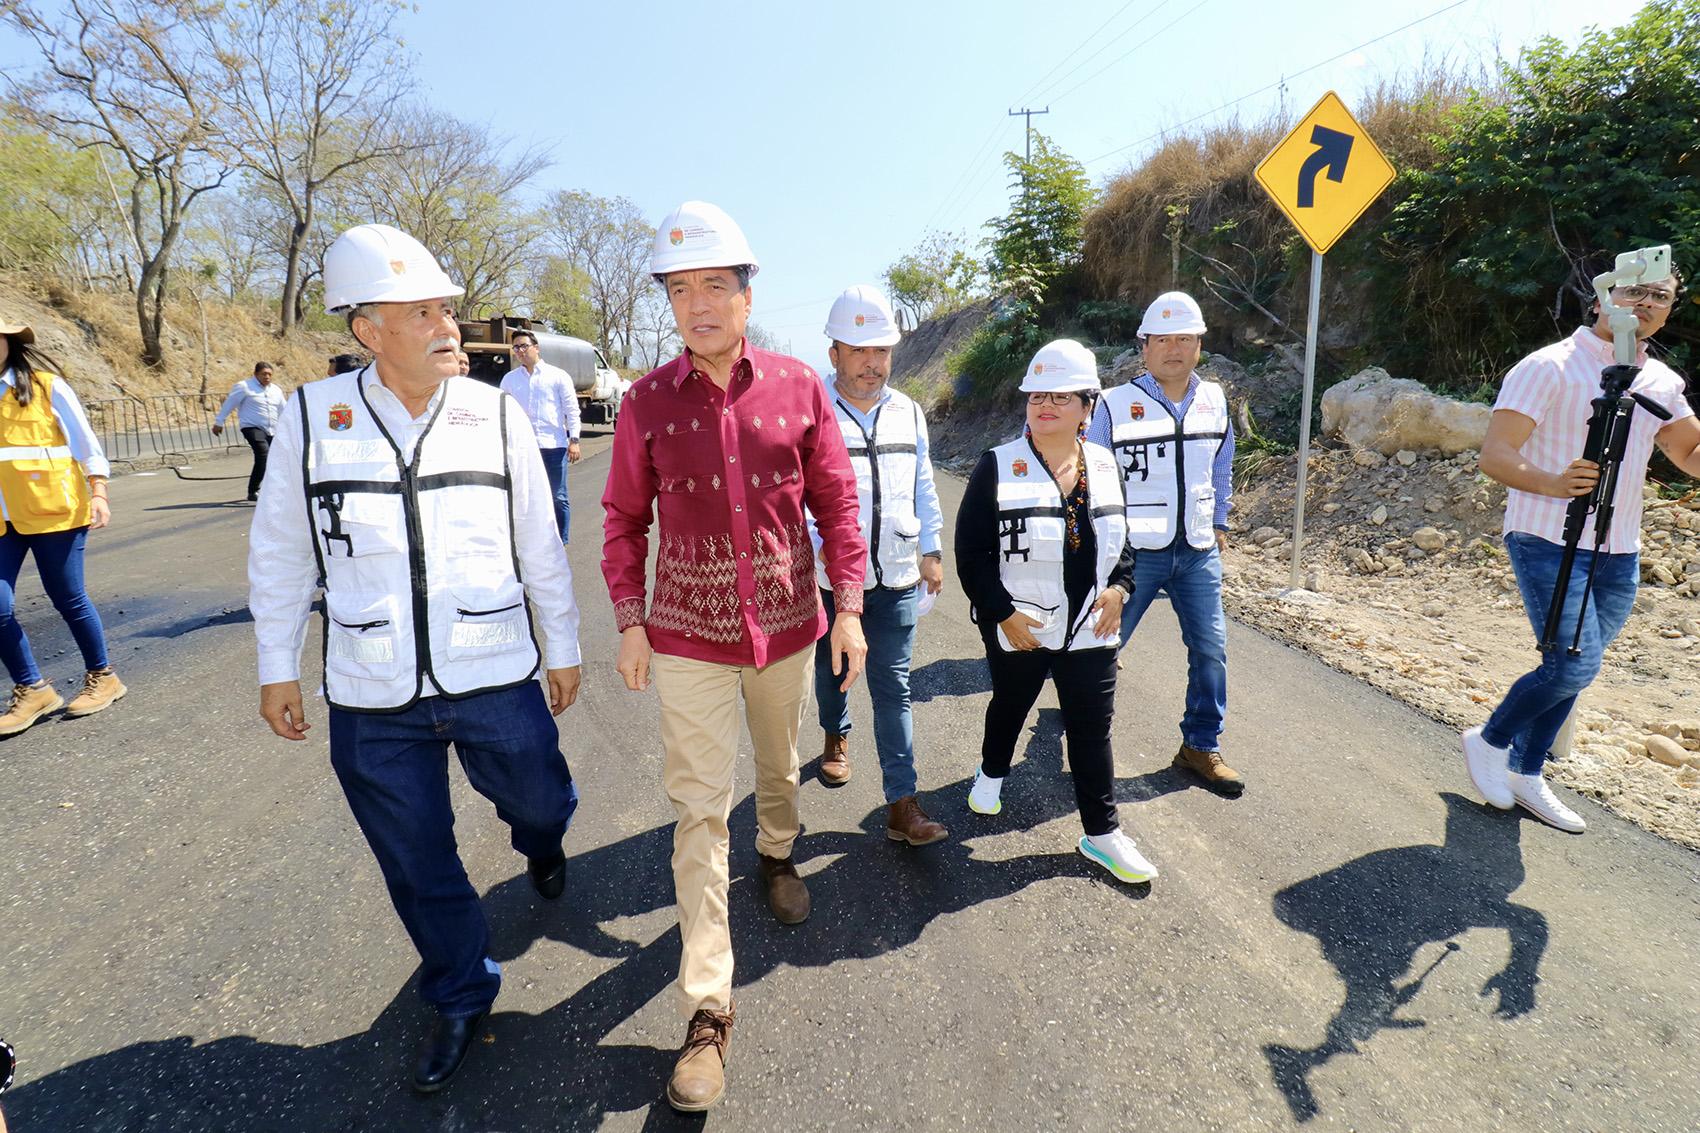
165,425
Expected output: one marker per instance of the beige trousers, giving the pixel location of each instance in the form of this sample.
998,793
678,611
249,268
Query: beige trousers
699,733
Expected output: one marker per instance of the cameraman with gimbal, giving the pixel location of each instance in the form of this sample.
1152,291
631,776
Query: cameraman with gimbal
1564,414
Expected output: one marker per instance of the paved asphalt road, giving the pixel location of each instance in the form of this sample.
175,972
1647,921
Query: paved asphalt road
193,935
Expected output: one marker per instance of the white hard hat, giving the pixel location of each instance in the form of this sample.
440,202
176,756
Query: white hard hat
374,263
699,235
1063,366
1173,312
862,317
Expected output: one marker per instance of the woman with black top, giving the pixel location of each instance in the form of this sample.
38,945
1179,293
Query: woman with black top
1041,548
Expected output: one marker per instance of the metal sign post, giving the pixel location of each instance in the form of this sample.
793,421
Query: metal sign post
1323,175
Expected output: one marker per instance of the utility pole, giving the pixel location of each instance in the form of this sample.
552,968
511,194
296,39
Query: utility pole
1026,113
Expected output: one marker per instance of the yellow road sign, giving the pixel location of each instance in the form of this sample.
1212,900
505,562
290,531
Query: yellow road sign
1325,173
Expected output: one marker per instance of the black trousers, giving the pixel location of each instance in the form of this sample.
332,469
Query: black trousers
261,442
1085,680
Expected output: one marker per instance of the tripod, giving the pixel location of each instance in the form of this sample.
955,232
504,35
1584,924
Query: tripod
1608,436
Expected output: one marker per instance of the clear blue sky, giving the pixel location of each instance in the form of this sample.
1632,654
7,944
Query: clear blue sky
838,134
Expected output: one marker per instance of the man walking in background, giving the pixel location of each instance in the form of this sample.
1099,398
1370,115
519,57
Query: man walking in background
547,395
256,403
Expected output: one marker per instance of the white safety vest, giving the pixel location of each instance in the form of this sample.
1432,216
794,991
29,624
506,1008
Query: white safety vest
1030,538
885,462
418,561
1167,466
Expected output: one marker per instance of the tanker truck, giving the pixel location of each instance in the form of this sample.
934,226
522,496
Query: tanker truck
599,387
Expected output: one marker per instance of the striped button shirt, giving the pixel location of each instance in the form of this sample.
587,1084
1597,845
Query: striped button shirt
1553,387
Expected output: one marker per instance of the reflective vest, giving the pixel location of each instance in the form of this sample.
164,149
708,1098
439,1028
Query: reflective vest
1030,538
1167,465
44,486
885,462
417,559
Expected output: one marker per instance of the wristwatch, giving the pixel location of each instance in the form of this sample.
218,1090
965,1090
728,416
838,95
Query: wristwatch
939,555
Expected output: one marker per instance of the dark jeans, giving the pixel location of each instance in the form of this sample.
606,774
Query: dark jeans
394,770
1533,711
261,442
1193,579
59,562
1085,680
888,622
555,465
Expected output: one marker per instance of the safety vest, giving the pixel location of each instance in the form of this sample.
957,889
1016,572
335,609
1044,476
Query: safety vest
44,486
417,559
1167,465
1031,542
884,460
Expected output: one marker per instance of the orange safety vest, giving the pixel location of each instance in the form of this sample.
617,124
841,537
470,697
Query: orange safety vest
44,486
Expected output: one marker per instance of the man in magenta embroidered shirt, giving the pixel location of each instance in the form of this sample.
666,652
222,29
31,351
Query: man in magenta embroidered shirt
729,444
1534,447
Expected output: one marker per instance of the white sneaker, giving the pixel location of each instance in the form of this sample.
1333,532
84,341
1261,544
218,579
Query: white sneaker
1534,796
1116,852
983,796
1488,767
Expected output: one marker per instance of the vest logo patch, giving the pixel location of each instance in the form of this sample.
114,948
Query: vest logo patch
1019,467
341,417
458,415
1137,412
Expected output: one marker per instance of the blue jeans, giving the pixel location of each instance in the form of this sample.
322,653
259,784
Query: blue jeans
1193,579
393,767
888,622
555,465
1533,712
59,562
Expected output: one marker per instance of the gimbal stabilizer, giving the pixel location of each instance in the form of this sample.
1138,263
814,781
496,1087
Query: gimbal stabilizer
1608,432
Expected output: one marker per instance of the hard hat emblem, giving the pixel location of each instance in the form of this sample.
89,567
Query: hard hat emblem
398,267
676,237
1168,314
861,320
1038,367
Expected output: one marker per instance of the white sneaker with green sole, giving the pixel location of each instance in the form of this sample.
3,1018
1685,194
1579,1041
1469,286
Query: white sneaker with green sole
1116,852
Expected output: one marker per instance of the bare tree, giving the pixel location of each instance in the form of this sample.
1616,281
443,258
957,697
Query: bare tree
454,186
126,77
236,234
608,240
312,87
656,332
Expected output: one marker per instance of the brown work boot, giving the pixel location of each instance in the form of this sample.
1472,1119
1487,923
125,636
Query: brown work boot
907,822
100,688
29,704
835,761
1208,765
787,896
699,1077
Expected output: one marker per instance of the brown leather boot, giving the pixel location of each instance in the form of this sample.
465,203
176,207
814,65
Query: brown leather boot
699,1076
29,704
787,896
100,689
1208,765
907,822
835,761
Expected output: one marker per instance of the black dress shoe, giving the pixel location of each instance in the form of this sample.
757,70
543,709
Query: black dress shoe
548,876
444,1050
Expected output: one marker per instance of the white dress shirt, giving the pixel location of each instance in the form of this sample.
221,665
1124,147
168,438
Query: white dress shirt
549,399
257,406
283,572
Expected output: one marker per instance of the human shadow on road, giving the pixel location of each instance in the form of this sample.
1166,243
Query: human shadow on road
1373,914
949,676
566,1067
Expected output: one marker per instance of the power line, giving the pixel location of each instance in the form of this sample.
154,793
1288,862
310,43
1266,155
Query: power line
1278,83
1131,50
1064,60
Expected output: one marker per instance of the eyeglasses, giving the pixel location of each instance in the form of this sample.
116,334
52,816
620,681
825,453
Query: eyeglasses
1050,398
1641,293
525,346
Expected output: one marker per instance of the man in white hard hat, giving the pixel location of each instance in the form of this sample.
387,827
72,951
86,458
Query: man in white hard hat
729,443
1174,440
898,504
549,398
417,501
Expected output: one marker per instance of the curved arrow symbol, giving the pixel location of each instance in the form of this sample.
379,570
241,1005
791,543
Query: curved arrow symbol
1332,150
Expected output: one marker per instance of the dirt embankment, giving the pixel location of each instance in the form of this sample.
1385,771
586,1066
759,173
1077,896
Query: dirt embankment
93,336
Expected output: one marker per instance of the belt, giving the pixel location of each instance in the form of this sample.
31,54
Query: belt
36,452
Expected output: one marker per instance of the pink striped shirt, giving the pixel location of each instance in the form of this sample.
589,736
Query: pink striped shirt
1553,387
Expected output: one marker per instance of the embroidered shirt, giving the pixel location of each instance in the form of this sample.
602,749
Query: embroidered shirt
727,474
1553,387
